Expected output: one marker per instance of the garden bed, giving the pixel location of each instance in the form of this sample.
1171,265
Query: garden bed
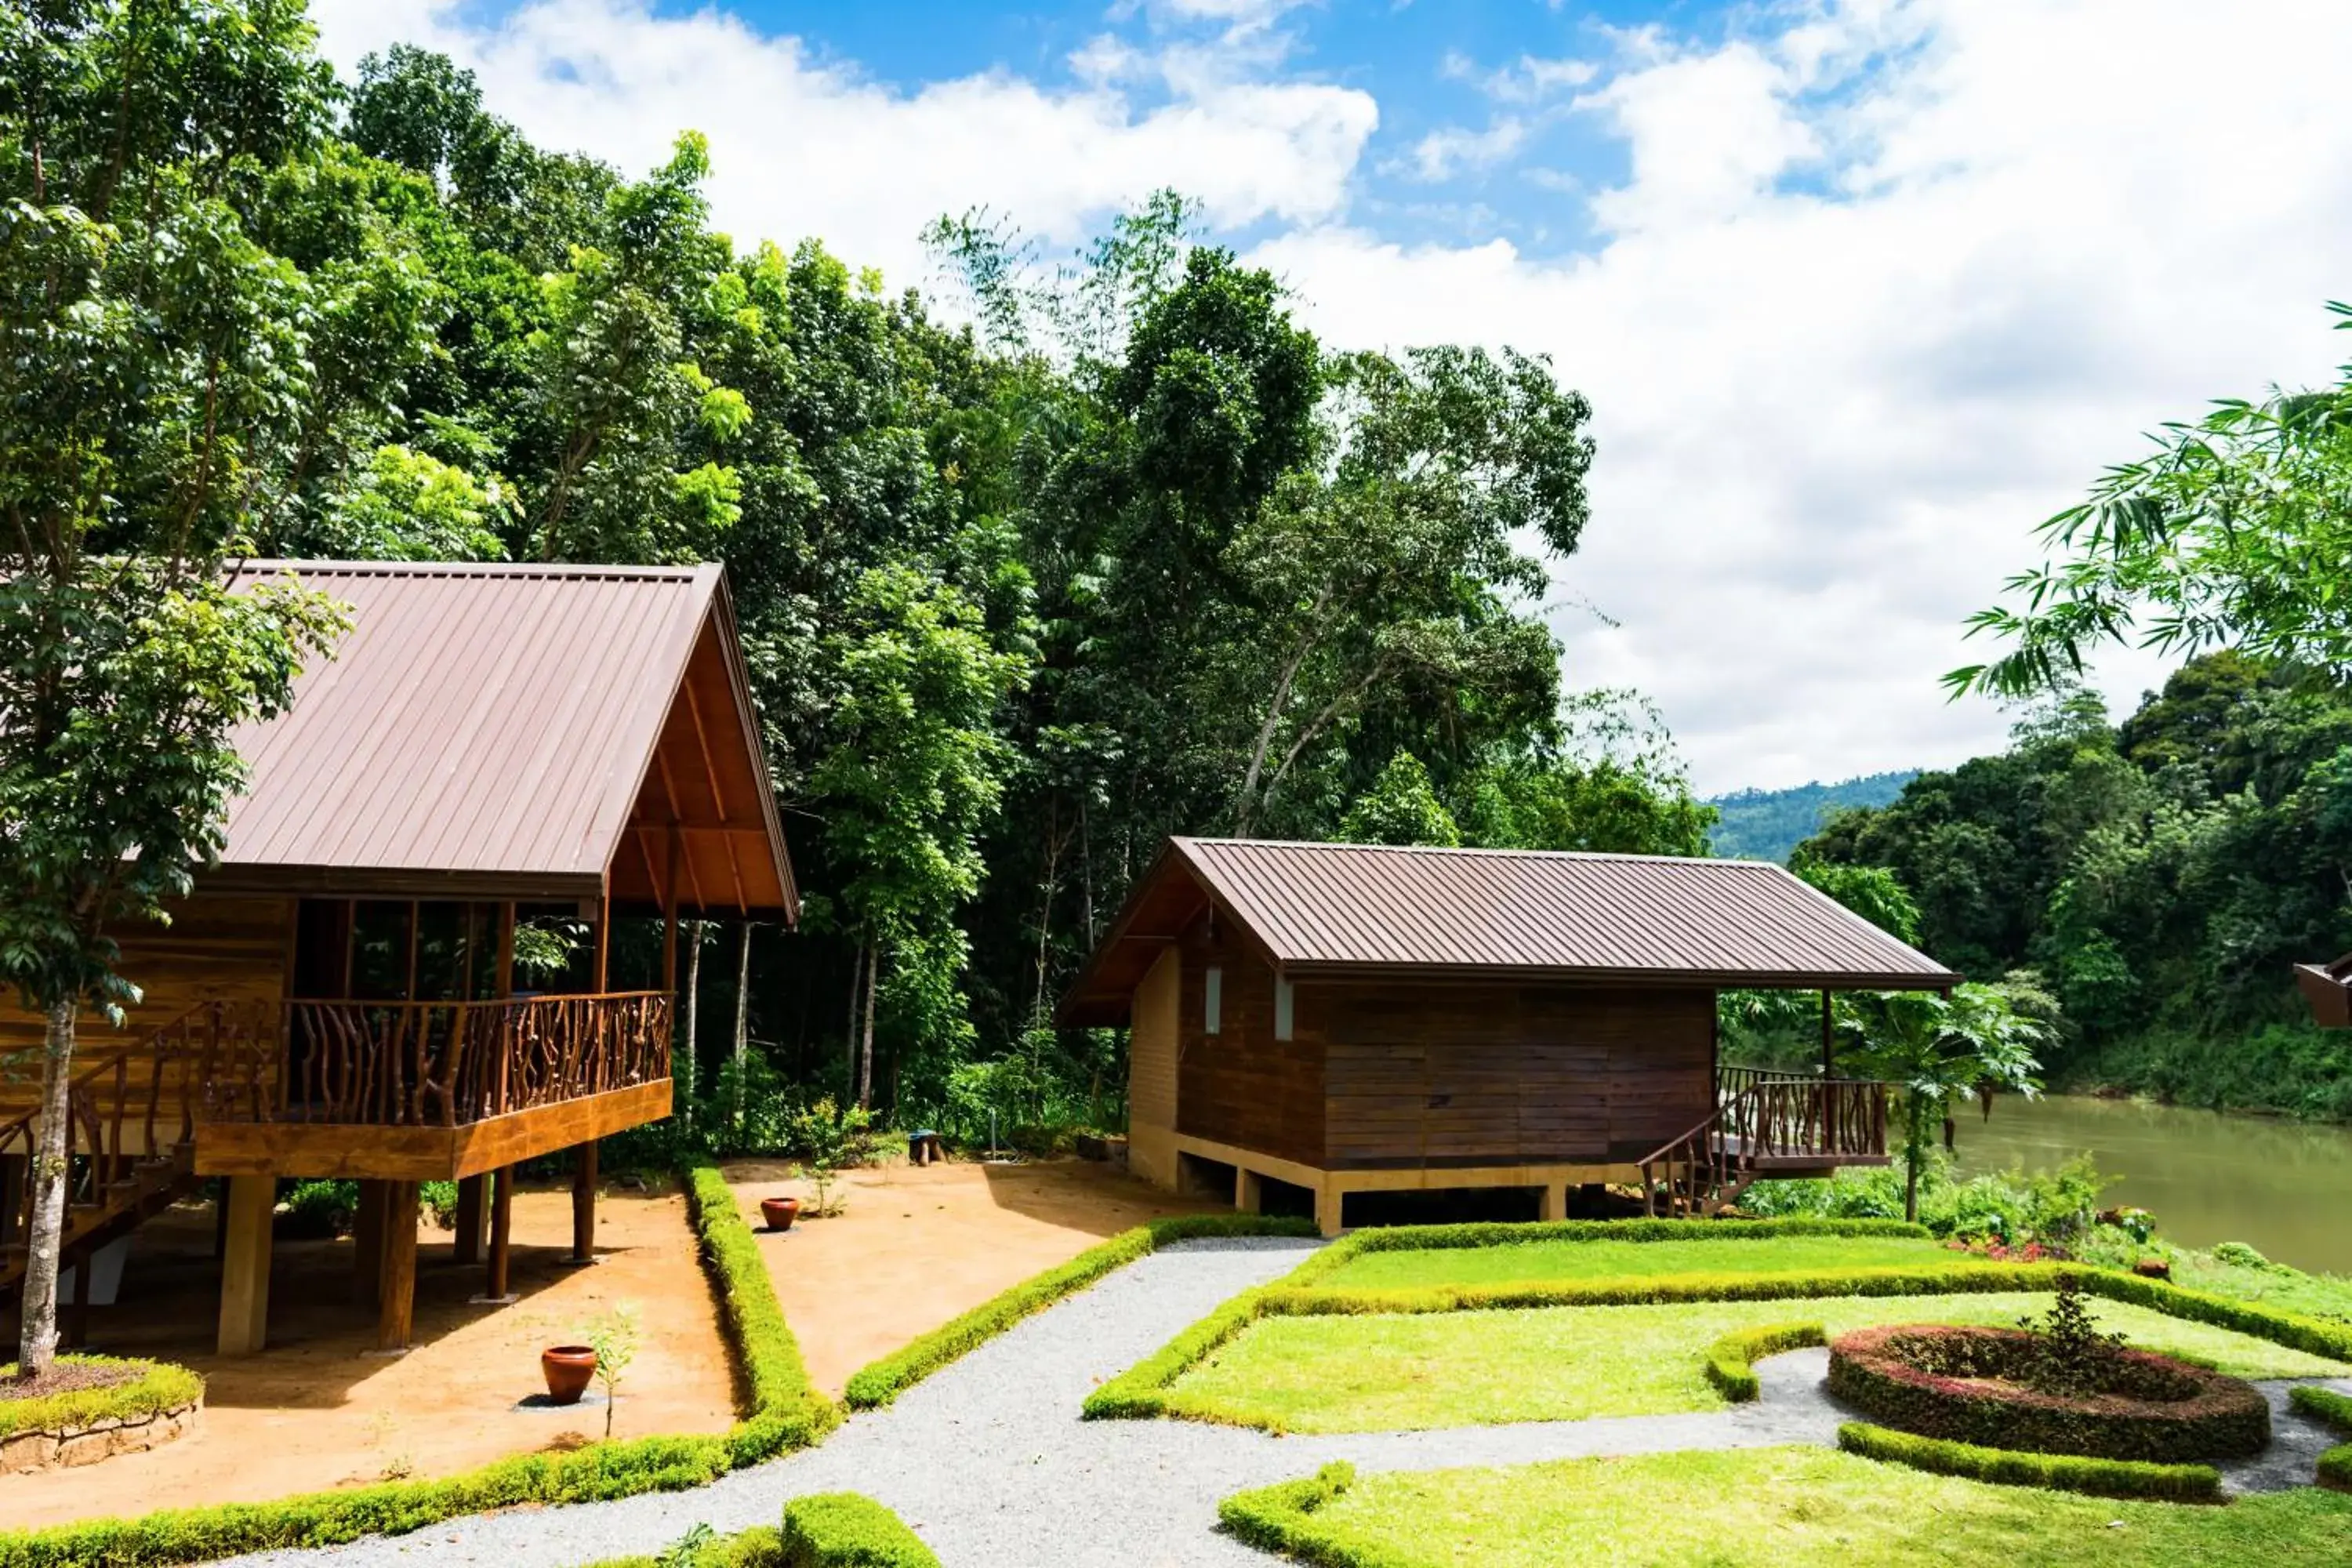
84,1409
1977,1385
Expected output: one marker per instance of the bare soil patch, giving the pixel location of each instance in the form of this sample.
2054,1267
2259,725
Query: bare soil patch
316,1410
917,1244
64,1377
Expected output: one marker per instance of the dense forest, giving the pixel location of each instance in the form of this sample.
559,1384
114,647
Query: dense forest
1769,824
1031,572
2160,876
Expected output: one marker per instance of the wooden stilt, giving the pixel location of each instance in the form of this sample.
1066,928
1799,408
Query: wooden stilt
583,1204
78,1314
1828,1067
12,1195
245,1266
470,1215
396,1299
495,1290
1249,1191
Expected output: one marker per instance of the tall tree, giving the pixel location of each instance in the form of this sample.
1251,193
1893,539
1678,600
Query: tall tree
1937,1049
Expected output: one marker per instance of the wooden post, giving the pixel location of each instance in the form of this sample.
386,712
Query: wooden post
1555,1201
669,917
583,1203
470,1215
1829,1068
77,1313
367,1243
245,1266
504,982
496,1291
1330,1203
603,942
1249,1191
397,1298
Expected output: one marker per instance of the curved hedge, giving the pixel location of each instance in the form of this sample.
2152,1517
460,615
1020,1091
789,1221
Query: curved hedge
1268,1516
1930,1381
150,1388
883,1381
1731,1360
847,1530
2335,1409
2057,1472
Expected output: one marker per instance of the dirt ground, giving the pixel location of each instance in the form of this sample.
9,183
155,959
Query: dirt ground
916,1246
317,1410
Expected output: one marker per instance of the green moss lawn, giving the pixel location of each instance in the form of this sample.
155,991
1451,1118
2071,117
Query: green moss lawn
1772,1508
1614,1259
1373,1374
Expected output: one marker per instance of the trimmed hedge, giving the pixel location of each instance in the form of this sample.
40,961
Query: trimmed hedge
1731,1360
2057,1472
1452,1237
883,1381
2335,1409
1268,1518
1929,1381
1966,1278
787,1413
847,1530
152,1388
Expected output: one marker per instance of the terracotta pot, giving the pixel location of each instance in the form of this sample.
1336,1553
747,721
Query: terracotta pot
780,1212
568,1369
2153,1268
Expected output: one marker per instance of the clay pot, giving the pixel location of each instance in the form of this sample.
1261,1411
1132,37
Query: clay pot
2153,1268
568,1369
780,1212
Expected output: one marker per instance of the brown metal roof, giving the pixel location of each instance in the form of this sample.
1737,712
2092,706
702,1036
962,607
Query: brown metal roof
490,730
1353,909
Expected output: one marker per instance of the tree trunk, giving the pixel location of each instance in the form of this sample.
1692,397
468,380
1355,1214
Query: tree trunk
37,1345
685,1074
866,1048
1914,1127
849,1035
742,1020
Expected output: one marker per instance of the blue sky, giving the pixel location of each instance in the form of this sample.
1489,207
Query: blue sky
1861,291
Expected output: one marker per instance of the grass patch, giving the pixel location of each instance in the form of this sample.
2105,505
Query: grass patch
1611,1259
883,1381
152,1388
1763,1509
1370,1374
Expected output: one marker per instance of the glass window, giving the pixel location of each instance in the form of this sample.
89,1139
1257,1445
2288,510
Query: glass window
1212,1000
1282,1005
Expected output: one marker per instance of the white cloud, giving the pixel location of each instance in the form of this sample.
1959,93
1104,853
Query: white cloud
1849,339
803,145
1887,282
1455,149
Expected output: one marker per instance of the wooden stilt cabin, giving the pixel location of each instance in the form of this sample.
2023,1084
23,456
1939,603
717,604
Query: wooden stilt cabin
492,748
1352,1019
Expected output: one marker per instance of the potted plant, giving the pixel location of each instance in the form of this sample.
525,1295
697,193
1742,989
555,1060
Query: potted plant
568,1369
780,1212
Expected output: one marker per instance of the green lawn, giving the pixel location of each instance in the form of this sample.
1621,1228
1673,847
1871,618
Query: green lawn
1393,1372
1774,1507
1615,1259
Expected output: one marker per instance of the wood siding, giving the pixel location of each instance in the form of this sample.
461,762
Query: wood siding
1241,1085
1151,1073
1506,1075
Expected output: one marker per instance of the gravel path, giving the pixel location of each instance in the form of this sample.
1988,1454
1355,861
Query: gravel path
989,1463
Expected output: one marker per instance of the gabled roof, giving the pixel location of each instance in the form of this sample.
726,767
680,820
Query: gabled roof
1356,911
527,732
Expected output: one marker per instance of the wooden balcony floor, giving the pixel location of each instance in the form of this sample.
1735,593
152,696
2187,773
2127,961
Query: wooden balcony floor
326,1149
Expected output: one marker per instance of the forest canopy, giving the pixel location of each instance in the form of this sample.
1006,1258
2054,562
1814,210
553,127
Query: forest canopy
1029,575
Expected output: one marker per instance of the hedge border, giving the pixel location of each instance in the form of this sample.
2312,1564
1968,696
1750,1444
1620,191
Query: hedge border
1875,1371
1731,1360
787,1413
880,1382
1276,1519
153,1387
2333,1409
2131,1480
847,1530
1142,1391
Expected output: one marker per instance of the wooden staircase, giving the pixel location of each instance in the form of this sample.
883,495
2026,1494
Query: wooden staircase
129,1153
1765,1124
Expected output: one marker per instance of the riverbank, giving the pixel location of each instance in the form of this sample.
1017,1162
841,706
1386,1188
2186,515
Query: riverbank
2295,1070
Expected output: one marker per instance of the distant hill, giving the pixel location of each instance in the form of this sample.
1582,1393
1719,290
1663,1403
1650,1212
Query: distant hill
1767,824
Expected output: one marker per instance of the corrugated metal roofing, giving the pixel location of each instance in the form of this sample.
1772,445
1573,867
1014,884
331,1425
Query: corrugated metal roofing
1319,905
491,719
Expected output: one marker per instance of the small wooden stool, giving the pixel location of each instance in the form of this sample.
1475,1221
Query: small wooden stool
923,1148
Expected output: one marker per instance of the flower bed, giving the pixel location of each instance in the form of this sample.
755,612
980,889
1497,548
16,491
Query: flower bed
116,1407
1965,1385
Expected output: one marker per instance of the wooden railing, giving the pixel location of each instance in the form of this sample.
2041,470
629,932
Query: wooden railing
429,1064
123,1104
1761,1116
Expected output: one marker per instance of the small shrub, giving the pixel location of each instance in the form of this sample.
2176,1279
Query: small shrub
2056,1472
847,1530
319,1211
2068,1355
439,1200
1731,1360
2237,1255
150,1388
614,1338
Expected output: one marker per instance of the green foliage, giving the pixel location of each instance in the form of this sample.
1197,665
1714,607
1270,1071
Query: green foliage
151,1387
1936,1049
2069,1355
787,1410
1731,1360
319,1209
1261,1518
1401,808
847,1529
614,1338
438,1199
2014,1208
2325,1405
883,1381
1768,825
2057,1472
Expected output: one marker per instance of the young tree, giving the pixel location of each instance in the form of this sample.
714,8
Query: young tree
1936,1049
1401,808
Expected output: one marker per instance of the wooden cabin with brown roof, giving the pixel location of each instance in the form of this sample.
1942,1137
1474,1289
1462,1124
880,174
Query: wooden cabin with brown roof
338,997
1352,1019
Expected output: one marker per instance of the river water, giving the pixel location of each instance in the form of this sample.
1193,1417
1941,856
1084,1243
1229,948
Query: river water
2282,1187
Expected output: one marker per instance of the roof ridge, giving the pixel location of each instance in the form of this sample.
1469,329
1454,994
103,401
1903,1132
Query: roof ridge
1471,850
552,570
